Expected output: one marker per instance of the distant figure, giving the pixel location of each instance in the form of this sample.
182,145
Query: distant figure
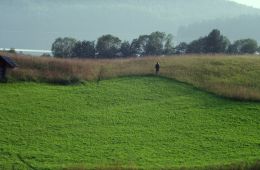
157,68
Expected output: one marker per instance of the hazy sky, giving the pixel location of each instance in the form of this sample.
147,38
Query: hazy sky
35,24
254,3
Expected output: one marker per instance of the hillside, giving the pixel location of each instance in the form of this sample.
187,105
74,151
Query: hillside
243,27
125,123
40,22
234,77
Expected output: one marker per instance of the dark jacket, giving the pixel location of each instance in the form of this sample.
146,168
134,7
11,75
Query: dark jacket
157,67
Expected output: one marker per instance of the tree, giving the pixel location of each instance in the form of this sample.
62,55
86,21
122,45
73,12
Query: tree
181,48
108,46
213,43
197,46
243,46
84,49
134,47
142,42
233,48
249,46
216,43
139,45
46,55
258,49
155,44
125,49
226,43
63,47
12,50
169,46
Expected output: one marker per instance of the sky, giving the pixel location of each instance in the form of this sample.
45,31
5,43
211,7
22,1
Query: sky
254,3
34,24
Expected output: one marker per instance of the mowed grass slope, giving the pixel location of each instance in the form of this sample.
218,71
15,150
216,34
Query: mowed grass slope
136,122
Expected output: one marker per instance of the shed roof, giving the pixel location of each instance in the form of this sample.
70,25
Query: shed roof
8,61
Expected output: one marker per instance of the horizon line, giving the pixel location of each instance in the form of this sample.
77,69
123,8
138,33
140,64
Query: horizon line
26,50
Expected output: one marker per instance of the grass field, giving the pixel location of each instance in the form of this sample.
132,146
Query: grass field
131,122
236,77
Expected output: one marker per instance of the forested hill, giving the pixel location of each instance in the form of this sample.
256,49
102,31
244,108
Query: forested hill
234,28
40,22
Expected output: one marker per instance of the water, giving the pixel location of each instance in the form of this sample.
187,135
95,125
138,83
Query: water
29,51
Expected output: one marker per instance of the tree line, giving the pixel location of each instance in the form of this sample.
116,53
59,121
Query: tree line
215,42
154,44
109,46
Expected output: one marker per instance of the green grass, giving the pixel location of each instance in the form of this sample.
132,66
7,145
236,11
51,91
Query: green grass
136,122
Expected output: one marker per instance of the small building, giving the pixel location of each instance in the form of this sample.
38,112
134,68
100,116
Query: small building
5,62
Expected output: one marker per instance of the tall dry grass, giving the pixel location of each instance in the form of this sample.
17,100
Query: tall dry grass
236,77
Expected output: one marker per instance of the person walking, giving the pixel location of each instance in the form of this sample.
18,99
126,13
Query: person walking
157,68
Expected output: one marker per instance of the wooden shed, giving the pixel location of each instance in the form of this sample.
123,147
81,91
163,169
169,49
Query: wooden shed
5,62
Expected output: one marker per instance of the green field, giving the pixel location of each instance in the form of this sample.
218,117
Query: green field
136,122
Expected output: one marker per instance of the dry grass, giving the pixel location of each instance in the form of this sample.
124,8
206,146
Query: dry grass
236,77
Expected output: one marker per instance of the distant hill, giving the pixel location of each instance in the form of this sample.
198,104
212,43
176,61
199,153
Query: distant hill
234,28
34,24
